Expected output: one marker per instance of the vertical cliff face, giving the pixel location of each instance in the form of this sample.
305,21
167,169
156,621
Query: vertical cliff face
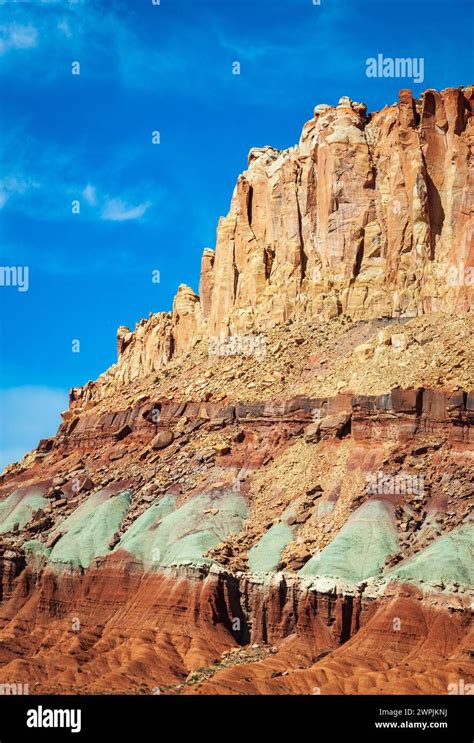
367,216
370,215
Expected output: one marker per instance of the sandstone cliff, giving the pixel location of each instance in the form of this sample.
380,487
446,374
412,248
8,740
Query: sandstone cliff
298,521
370,215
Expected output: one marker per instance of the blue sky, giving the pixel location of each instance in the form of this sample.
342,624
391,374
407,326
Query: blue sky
146,207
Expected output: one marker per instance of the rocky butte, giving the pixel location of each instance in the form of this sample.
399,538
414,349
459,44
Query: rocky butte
271,490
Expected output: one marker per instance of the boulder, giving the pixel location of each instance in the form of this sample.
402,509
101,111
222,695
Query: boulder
162,440
399,342
222,449
364,352
334,426
86,485
311,432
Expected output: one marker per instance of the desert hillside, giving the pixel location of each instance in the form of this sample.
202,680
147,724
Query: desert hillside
271,490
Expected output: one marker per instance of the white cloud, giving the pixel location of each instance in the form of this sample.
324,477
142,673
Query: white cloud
17,36
90,194
14,185
65,28
116,210
27,415
28,187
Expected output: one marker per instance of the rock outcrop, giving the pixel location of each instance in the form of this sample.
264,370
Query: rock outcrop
293,515
370,215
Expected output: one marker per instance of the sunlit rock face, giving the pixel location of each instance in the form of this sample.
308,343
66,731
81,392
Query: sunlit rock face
298,517
370,215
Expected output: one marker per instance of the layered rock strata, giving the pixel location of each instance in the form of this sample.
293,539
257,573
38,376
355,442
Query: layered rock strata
178,535
398,416
370,215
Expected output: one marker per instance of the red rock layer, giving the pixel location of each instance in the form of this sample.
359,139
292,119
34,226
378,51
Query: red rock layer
398,416
116,629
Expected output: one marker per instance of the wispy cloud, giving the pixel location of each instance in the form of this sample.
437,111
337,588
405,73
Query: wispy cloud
244,50
57,29
65,28
162,61
90,194
12,185
17,36
116,210
42,180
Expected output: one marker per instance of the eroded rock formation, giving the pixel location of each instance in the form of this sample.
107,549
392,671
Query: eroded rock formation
294,516
370,215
